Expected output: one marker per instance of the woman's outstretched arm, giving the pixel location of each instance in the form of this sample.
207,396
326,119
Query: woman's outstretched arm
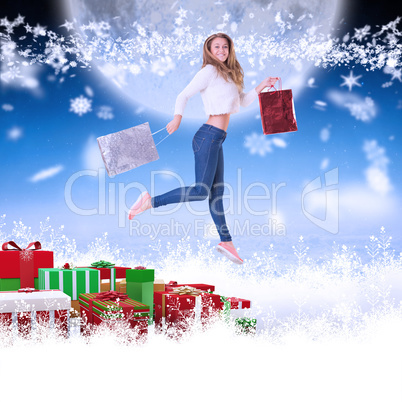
267,82
247,99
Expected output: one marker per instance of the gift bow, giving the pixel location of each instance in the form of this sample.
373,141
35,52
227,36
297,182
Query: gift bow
36,244
27,290
102,264
111,296
140,267
186,290
246,322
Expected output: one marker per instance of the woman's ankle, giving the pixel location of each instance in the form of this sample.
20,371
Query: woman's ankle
229,243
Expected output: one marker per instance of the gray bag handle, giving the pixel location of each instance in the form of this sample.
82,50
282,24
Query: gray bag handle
156,132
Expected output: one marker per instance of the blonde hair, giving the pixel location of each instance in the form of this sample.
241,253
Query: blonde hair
231,68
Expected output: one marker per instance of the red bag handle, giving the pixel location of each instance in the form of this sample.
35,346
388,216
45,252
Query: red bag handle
272,86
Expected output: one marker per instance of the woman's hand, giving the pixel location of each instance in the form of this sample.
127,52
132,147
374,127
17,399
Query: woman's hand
174,124
266,82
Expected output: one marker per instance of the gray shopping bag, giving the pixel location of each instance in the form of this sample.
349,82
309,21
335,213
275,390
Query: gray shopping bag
127,149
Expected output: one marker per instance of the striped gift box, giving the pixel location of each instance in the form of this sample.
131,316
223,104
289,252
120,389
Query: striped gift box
110,274
70,281
95,311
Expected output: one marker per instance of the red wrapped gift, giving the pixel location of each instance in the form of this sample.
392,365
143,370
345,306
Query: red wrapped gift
105,272
277,111
95,309
237,304
16,262
175,309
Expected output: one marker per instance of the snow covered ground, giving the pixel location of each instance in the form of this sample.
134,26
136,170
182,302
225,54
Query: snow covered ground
327,330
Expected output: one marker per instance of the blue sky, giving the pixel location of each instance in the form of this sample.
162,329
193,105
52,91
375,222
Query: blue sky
352,132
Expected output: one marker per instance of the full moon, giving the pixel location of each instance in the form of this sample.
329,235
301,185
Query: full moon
150,50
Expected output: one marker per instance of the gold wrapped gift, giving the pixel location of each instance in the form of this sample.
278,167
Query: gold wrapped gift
159,285
121,285
75,309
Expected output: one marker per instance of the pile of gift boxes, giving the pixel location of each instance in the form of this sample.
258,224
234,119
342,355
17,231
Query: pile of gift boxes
33,292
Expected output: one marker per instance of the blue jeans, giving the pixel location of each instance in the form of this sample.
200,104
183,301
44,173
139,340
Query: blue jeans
208,155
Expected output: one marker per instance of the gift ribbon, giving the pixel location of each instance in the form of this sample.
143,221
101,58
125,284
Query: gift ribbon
102,264
186,290
27,290
111,296
104,296
27,270
36,244
139,267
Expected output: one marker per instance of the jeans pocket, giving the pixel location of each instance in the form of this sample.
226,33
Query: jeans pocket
197,143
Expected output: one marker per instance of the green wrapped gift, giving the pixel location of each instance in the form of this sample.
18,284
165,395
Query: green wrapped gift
140,274
7,284
140,286
225,312
246,325
70,281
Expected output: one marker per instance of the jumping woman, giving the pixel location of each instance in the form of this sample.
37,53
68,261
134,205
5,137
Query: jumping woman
220,82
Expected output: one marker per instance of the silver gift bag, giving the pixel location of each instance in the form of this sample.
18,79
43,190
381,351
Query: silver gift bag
127,149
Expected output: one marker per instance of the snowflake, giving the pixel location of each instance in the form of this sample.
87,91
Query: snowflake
28,28
26,255
134,69
5,22
226,17
179,21
351,81
8,48
105,113
68,25
12,73
397,74
361,33
24,53
80,105
257,143
182,13
55,57
39,31
141,30
19,20
103,25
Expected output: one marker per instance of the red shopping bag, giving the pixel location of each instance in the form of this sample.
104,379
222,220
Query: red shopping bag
277,111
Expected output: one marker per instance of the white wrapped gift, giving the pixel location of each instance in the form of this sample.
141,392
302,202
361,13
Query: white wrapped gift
26,307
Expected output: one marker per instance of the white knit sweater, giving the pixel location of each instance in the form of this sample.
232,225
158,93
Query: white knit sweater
218,95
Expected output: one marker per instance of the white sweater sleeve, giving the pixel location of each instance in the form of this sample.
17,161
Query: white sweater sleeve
197,84
247,98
